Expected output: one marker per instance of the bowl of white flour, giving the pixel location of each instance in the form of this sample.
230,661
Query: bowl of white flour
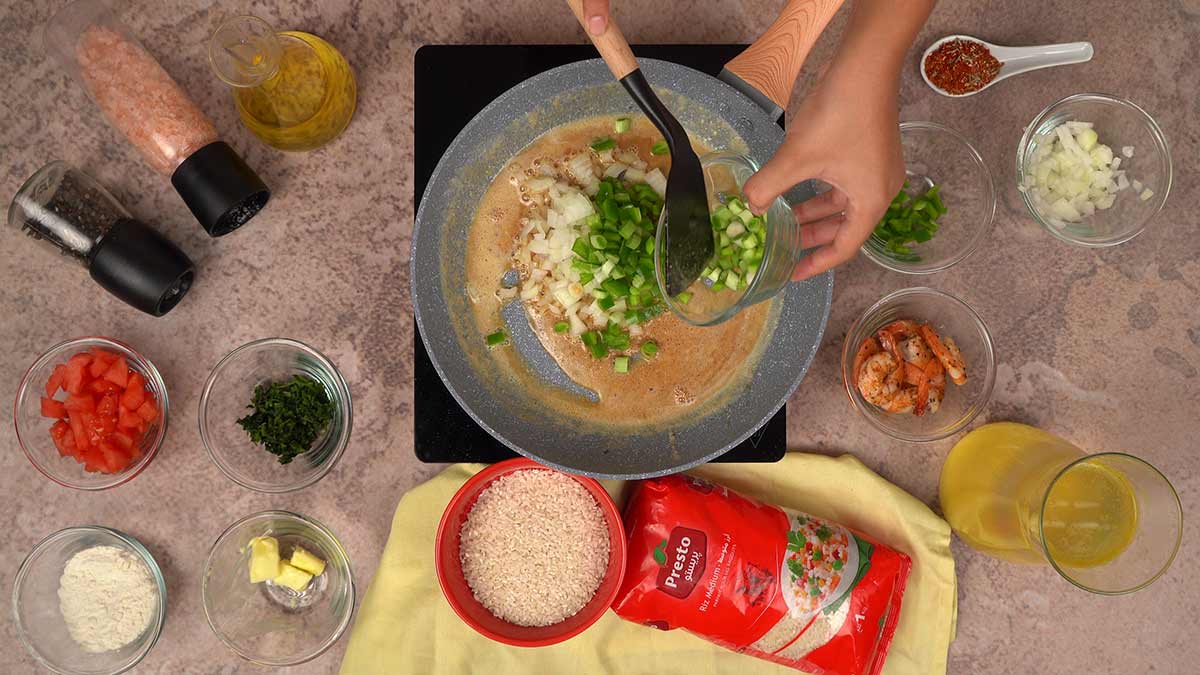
89,600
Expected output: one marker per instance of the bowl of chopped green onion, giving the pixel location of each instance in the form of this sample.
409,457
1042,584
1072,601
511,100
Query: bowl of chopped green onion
944,210
275,415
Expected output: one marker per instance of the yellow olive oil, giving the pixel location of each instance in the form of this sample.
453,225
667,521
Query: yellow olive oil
307,102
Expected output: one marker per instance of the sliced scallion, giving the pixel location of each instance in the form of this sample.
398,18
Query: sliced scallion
496,338
602,144
621,125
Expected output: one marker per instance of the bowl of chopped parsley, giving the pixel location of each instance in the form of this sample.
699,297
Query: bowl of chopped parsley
275,415
945,209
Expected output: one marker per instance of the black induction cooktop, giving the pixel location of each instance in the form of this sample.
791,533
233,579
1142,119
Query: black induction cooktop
443,431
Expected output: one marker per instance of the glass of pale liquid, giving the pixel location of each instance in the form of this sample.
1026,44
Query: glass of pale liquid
1109,523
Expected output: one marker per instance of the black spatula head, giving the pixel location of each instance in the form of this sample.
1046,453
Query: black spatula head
688,241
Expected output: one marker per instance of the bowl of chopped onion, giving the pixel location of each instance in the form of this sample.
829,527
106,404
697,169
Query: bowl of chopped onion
1093,169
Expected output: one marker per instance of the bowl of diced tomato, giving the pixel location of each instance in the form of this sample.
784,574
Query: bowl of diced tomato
91,413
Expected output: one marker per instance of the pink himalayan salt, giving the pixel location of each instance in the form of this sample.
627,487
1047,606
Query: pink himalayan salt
141,100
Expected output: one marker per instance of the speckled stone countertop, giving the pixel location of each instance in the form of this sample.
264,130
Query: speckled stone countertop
1102,347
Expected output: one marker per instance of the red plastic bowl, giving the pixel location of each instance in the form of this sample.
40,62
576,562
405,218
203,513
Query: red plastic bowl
462,600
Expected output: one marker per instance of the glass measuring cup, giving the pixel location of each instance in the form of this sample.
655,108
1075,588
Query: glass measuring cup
760,276
1109,523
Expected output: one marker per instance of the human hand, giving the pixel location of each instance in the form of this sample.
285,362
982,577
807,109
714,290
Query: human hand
596,14
847,134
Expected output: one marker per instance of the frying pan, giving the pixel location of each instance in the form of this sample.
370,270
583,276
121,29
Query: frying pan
739,113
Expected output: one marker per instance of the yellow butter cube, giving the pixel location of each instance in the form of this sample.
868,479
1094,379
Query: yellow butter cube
264,559
307,562
293,577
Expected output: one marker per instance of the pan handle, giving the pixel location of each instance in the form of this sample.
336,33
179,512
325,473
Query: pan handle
611,44
771,64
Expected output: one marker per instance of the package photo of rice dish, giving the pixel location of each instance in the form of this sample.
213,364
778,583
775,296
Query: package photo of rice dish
759,579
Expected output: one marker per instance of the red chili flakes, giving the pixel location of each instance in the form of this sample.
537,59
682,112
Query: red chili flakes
961,66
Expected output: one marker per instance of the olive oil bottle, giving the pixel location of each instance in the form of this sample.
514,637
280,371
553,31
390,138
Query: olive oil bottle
293,90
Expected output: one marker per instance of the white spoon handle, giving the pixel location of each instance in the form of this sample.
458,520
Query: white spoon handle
1023,59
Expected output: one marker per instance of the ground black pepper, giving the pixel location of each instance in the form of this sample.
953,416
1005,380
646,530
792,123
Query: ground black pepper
68,210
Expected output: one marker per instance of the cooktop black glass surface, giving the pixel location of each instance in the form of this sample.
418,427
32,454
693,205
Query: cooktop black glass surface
443,431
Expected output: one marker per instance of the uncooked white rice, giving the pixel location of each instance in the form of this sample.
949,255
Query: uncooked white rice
534,547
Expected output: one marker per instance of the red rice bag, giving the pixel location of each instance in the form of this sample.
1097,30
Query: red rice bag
759,579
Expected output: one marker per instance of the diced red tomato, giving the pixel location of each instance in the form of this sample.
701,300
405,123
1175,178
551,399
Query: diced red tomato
60,431
118,372
97,367
128,419
103,387
80,403
53,409
100,354
121,440
56,380
106,413
79,432
148,411
135,391
76,375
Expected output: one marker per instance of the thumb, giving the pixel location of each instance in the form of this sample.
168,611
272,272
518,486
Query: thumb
777,176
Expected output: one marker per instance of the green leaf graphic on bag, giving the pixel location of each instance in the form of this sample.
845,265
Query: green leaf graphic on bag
795,541
660,553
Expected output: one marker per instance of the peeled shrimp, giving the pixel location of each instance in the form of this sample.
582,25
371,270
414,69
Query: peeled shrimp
867,349
926,379
891,336
916,352
876,380
947,353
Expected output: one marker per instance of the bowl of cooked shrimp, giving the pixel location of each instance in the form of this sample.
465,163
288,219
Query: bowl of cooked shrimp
919,364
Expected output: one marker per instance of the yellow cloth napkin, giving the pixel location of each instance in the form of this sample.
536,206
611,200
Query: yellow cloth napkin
406,626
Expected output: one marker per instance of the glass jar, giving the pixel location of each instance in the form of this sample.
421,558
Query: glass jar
74,215
1109,523
139,99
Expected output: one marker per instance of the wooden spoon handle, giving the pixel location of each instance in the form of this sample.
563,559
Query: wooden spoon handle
611,43
771,64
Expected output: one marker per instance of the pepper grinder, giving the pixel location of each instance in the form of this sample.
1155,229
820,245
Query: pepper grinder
76,216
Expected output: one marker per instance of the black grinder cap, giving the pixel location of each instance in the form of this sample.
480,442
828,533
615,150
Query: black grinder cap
141,267
222,191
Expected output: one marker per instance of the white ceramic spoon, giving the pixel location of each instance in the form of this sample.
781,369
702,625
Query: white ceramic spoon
1015,60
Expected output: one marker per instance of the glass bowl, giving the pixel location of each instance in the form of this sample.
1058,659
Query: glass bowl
938,155
228,392
462,599
269,624
39,621
33,430
725,174
951,317
1119,123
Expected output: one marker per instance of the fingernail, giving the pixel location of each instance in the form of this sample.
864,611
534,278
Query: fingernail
596,24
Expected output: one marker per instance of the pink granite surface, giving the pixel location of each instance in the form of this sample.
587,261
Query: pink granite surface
1102,347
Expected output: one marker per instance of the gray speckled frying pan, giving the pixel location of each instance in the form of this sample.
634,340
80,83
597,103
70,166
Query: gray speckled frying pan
729,114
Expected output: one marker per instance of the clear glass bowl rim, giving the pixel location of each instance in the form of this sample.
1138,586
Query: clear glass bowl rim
985,395
132,544
983,229
1160,140
308,522
343,391
1137,587
25,389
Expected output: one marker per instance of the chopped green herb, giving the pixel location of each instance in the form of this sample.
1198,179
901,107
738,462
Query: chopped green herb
621,125
649,349
659,148
562,327
288,416
621,364
602,144
496,338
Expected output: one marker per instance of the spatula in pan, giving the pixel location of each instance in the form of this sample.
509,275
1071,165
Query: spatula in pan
688,239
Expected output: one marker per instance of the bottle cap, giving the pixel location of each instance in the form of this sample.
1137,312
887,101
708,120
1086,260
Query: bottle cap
141,267
220,189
